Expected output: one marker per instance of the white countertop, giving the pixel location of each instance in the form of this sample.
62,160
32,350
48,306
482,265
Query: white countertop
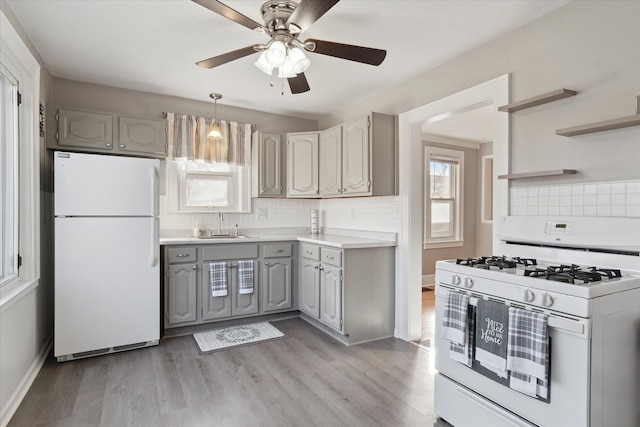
342,241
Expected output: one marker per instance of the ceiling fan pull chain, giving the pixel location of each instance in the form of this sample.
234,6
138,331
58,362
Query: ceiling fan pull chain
282,86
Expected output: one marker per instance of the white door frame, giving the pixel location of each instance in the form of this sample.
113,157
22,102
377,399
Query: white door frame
409,250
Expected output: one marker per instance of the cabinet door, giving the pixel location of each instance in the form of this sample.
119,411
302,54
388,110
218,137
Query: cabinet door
276,284
302,165
309,287
142,136
84,129
331,297
330,164
181,295
356,177
271,167
215,307
243,304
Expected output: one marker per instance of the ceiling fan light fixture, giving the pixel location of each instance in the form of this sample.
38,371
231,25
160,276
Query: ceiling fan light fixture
276,55
262,63
286,71
299,61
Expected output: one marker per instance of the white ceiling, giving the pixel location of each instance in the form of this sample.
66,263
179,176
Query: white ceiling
152,45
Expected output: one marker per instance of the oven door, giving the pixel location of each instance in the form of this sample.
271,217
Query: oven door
458,386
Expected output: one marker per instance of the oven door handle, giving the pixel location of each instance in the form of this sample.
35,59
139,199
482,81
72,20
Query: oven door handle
580,327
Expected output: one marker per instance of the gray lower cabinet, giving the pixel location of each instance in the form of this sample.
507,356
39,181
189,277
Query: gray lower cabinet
189,297
181,285
309,287
348,291
235,303
277,275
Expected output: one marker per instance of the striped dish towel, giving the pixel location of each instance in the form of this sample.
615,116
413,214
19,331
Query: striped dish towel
245,277
454,319
463,353
218,279
528,351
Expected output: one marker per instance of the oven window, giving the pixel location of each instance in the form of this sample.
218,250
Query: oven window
442,210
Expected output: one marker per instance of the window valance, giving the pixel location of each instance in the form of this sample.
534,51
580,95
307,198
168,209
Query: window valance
187,139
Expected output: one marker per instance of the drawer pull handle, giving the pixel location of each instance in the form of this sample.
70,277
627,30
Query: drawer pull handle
278,250
182,255
309,252
329,257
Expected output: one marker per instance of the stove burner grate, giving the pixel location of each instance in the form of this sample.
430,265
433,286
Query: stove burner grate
573,274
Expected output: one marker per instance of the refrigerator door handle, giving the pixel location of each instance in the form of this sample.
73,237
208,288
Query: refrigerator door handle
154,190
155,249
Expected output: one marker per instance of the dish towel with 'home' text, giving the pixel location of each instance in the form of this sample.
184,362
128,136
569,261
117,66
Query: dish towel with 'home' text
492,324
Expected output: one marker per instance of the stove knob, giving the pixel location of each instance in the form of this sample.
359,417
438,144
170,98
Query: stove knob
468,282
456,280
528,295
547,300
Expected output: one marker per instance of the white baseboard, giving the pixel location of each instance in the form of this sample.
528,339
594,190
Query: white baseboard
428,281
14,402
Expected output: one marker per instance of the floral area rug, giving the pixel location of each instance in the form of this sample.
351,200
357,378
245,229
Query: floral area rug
235,336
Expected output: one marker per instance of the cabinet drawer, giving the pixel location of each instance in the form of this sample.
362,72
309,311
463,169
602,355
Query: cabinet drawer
310,251
277,250
332,257
224,251
176,255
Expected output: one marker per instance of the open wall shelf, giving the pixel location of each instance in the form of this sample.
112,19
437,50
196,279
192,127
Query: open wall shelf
600,126
538,174
538,100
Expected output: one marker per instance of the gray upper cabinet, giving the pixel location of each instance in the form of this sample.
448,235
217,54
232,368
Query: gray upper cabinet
302,164
268,162
330,163
84,129
142,136
356,177
101,132
357,158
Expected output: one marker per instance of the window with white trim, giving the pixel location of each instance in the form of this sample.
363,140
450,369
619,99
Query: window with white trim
9,177
197,186
442,195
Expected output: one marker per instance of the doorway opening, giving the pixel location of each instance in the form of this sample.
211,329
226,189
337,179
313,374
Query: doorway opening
490,94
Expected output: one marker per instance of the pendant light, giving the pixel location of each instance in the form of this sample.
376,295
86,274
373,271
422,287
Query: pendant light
214,131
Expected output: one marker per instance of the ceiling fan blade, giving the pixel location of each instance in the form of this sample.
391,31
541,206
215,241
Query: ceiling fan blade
227,12
298,84
366,55
308,12
226,57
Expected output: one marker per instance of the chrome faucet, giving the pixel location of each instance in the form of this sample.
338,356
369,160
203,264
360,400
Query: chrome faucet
221,217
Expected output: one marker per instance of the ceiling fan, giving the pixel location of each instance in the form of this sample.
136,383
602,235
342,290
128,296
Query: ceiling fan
283,56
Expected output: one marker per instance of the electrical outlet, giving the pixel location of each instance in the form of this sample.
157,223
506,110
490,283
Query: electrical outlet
261,213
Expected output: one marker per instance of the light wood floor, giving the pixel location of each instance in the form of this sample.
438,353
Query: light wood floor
307,379
428,315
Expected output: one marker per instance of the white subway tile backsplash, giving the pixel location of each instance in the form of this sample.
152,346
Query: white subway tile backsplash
619,199
618,188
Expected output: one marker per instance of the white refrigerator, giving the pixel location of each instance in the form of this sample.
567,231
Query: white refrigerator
107,274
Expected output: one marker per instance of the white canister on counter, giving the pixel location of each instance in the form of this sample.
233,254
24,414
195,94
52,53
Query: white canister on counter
315,226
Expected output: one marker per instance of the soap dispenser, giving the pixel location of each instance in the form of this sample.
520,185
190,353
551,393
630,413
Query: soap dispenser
196,230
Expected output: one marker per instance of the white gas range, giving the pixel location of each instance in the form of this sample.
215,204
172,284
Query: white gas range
584,274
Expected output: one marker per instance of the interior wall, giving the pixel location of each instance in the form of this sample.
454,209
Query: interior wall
469,208
484,230
26,320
